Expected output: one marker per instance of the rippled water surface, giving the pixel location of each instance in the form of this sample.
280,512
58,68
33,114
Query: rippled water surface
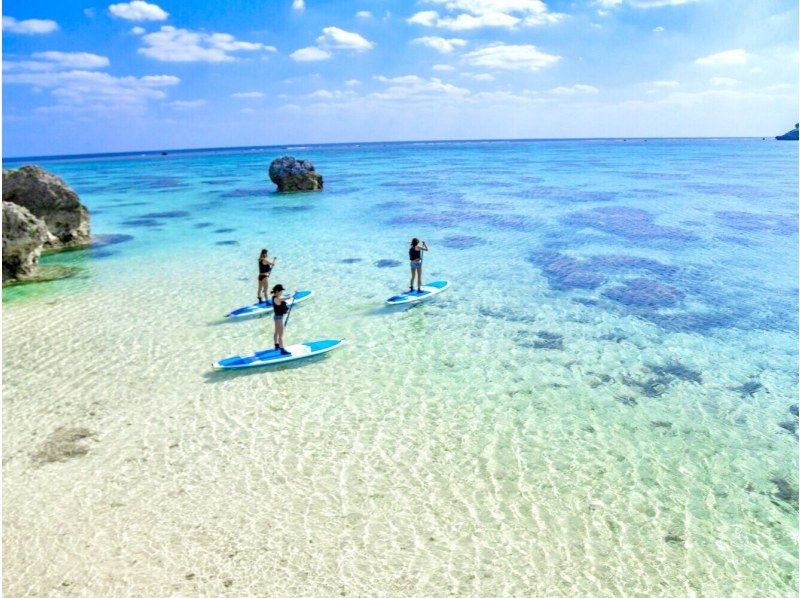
604,403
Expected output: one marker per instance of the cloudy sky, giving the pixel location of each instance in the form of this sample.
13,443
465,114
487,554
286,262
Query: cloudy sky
82,77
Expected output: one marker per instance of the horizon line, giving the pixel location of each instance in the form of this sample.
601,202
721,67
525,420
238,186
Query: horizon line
357,143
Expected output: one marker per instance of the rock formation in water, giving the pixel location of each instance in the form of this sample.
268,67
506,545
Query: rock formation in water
790,135
24,236
49,198
40,212
294,175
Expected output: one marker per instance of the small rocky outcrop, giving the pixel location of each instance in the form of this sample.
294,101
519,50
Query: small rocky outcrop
290,174
50,199
790,135
24,236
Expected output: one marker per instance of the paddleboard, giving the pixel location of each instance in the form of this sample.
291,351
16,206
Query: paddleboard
259,309
426,292
274,356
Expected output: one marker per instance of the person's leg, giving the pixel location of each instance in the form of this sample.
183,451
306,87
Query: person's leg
279,325
275,334
411,284
419,278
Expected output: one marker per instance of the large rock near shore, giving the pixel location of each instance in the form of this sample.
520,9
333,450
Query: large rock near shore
50,199
24,236
294,175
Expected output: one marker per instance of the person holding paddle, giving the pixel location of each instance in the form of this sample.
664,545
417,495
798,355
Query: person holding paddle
264,268
415,257
281,309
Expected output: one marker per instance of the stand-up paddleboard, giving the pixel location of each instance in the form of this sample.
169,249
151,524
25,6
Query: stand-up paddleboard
265,307
426,292
274,356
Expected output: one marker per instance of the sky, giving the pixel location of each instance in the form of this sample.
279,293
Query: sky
86,77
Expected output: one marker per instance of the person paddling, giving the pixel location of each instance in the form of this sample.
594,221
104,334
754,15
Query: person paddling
264,268
415,257
281,308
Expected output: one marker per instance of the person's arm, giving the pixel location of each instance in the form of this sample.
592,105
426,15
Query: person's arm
423,247
274,261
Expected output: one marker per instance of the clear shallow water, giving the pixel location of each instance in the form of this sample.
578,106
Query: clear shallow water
600,404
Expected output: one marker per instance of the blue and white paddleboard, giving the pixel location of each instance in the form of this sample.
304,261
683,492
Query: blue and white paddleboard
426,292
259,309
274,356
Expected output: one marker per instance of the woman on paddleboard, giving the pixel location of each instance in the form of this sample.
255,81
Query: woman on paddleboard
264,268
415,257
281,308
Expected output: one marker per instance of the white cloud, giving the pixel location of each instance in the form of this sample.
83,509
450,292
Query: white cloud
138,10
664,83
28,65
92,90
426,18
320,93
443,67
298,5
723,82
324,94
578,88
170,44
310,54
90,13
479,76
641,3
352,82
74,60
184,104
138,30
466,15
466,22
658,29
415,87
510,57
247,95
440,44
726,58
332,38
339,39
364,14
29,26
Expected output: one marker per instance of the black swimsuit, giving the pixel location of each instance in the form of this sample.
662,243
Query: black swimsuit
414,254
263,270
280,309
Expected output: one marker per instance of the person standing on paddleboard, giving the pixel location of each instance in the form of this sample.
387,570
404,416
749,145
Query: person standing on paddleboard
264,268
281,308
415,257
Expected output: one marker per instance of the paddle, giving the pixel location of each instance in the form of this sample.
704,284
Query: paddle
289,313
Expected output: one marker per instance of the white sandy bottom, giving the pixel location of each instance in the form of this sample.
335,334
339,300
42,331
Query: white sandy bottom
431,456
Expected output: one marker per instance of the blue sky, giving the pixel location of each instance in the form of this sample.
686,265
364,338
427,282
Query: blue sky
85,77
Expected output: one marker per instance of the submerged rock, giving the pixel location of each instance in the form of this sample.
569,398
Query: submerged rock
24,236
290,174
50,199
645,293
63,444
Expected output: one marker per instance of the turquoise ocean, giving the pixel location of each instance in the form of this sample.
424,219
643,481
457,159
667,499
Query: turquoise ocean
603,404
